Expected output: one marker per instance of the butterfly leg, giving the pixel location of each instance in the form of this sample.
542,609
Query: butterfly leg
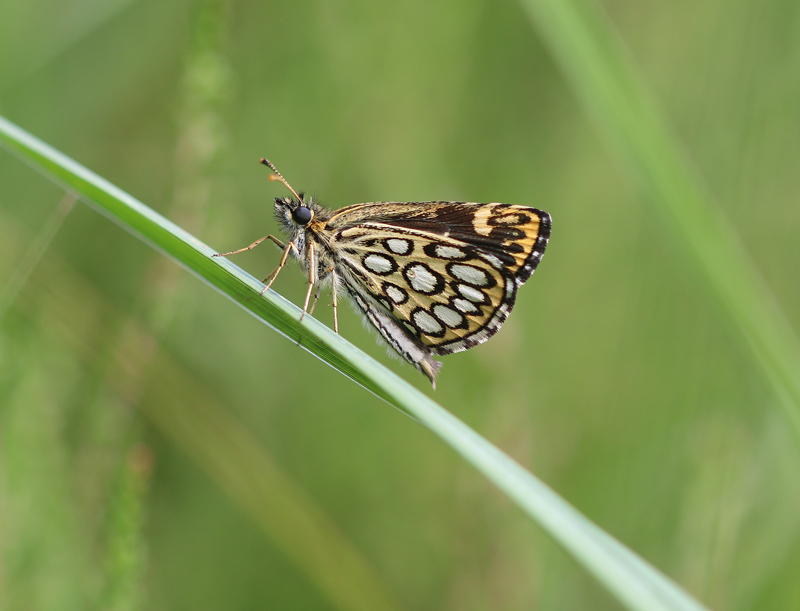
314,303
334,303
271,278
312,277
253,245
319,286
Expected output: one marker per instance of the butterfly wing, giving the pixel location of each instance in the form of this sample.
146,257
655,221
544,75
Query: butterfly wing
445,272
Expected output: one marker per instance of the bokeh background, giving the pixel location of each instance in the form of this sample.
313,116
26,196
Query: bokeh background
161,449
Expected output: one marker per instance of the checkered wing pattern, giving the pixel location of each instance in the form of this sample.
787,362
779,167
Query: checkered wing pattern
447,272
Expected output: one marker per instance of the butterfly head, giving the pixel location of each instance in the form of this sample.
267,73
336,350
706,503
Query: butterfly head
294,215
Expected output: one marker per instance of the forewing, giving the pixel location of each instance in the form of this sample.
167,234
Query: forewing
448,270
516,235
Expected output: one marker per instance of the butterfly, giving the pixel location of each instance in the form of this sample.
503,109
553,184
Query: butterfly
433,278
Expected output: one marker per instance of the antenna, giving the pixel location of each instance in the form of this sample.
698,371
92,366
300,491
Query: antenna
279,176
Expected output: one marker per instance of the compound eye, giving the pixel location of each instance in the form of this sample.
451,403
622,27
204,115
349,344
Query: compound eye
301,215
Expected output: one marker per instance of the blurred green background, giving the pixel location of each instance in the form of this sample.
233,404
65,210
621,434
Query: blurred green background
160,449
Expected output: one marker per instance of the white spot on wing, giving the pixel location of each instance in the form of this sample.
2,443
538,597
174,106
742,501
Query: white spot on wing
493,260
448,316
396,294
426,322
469,274
420,278
449,252
465,306
471,293
399,247
378,264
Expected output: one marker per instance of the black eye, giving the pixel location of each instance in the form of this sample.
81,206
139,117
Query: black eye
301,215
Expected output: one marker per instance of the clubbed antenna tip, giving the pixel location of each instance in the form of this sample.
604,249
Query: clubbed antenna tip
279,176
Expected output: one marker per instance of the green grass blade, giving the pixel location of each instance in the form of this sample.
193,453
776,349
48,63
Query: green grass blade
635,583
599,68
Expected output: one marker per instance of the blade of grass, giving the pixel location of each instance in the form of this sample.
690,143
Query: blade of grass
638,585
599,68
